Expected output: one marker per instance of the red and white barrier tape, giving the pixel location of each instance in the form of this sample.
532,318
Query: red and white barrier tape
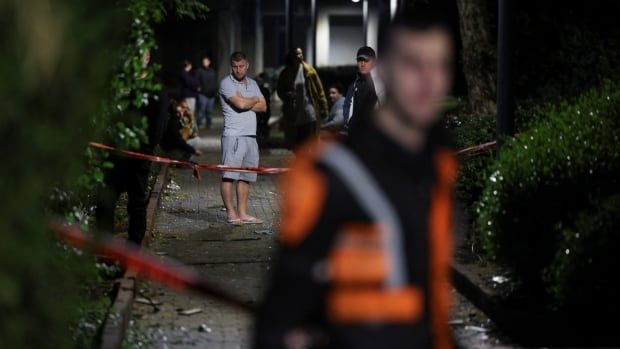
164,270
476,149
260,170
156,268
193,165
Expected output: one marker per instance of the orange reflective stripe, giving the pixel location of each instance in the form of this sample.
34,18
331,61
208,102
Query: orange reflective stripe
440,238
398,305
303,191
358,256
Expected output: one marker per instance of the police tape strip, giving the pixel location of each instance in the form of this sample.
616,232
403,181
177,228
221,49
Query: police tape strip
165,270
193,165
196,167
477,149
156,268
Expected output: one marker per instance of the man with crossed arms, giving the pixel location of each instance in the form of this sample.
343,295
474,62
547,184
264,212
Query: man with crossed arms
241,99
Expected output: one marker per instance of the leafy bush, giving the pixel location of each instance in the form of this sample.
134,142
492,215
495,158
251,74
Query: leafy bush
469,130
56,66
583,273
542,179
54,61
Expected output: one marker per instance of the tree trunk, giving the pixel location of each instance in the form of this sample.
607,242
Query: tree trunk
479,56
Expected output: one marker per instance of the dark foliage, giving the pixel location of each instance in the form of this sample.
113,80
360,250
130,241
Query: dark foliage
552,182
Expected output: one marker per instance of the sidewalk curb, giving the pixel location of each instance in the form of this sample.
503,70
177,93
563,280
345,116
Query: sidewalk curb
526,327
115,327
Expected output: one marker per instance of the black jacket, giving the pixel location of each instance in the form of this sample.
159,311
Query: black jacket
361,96
189,84
172,139
207,78
318,208
157,117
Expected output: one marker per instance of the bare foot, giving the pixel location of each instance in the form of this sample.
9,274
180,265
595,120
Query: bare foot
232,215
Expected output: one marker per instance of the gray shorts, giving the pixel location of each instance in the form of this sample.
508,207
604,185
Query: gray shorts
239,151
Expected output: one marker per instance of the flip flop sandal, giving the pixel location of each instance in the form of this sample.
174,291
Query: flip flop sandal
253,220
234,222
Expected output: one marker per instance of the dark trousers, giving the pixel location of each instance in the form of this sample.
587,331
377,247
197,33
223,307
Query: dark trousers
131,176
204,110
179,154
305,132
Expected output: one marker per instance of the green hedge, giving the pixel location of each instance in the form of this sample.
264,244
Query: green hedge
56,65
566,163
585,267
54,60
469,130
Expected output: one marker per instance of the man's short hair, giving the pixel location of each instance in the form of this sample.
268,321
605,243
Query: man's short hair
338,86
237,56
418,18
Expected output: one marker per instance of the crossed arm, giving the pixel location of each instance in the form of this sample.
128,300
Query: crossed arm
255,104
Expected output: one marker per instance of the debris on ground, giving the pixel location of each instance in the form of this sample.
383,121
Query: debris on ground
148,301
190,311
476,328
204,328
264,232
499,279
173,186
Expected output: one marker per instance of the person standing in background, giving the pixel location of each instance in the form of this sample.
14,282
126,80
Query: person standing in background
207,78
241,99
262,118
366,92
189,85
303,98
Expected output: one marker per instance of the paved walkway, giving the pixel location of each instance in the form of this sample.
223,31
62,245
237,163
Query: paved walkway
190,227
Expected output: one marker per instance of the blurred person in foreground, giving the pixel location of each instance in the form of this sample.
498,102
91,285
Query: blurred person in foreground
303,99
366,232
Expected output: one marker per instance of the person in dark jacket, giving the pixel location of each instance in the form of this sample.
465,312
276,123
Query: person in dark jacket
365,93
207,78
172,141
366,229
304,104
262,118
131,175
190,86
